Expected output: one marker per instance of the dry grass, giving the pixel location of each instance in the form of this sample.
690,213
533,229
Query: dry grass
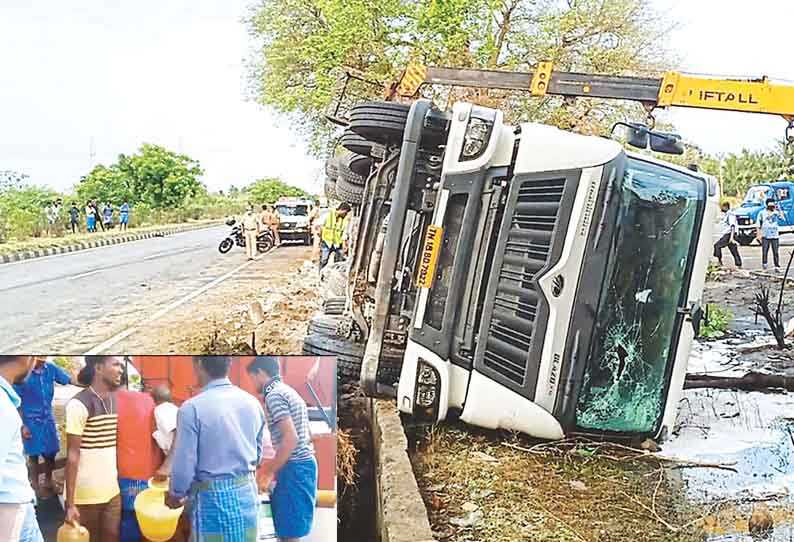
576,492
346,454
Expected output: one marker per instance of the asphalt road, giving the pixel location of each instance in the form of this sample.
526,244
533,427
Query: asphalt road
83,301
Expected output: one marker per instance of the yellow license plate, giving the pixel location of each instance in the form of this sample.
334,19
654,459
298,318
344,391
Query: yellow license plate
430,250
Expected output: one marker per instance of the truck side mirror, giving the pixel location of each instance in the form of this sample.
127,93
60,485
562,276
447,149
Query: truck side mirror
666,143
636,134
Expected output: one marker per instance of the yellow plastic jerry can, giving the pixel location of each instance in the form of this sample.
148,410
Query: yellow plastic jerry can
69,533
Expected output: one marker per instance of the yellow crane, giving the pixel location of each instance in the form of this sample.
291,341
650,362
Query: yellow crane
674,89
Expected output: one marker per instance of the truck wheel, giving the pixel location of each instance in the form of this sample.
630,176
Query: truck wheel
330,188
324,324
381,122
348,358
355,143
354,168
332,168
349,192
334,305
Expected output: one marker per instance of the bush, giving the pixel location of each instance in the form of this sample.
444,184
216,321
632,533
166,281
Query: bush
715,322
22,212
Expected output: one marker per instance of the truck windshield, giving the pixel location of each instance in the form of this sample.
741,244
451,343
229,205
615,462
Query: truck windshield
658,216
757,195
286,210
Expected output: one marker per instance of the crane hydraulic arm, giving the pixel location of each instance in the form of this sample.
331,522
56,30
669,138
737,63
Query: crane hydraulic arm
672,90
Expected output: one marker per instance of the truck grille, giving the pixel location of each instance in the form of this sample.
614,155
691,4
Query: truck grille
526,253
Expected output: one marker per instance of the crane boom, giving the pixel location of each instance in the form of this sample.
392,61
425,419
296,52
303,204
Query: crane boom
672,90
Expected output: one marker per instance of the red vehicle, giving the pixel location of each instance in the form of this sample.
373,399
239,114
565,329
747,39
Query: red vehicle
314,378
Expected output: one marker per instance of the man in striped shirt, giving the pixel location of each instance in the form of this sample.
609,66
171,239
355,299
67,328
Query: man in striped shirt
294,467
92,487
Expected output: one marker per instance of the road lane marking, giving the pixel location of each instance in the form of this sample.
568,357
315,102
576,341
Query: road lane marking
81,275
168,308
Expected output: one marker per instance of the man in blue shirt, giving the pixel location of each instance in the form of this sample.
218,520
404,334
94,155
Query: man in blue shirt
220,436
17,511
768,224
39,430
124,215
294,466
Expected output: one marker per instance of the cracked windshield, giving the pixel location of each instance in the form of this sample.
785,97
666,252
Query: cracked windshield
656,219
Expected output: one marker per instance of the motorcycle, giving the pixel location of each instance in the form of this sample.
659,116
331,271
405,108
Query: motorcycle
264,241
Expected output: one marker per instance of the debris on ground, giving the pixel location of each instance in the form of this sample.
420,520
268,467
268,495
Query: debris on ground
357,494
570,491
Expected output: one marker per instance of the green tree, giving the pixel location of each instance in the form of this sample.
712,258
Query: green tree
11,179
154,176
22,211
270,190
305,45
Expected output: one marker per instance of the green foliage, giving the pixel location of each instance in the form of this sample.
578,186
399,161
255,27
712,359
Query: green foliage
22,211
716,322
304,47
739,172
11,179
155,176
270,190
63,362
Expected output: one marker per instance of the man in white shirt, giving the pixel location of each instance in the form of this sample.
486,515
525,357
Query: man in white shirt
17,501
165,415
728,227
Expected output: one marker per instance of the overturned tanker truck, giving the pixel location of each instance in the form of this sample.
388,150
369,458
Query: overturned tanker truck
520,277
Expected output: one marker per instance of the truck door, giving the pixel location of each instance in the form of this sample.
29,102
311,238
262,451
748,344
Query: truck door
783,195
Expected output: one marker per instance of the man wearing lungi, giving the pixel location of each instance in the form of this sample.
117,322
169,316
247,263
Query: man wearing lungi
137,455
220,439
39,433
294,466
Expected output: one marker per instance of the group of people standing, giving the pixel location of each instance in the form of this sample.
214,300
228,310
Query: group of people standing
767,234
94,216
219,450
104,218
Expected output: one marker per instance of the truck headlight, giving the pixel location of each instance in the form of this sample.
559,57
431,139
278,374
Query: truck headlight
427,388
478,133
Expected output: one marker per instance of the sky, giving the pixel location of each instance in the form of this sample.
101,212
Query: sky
85,80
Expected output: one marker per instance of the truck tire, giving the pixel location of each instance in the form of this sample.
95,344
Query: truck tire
334,305
332,168
354,168
324,324
381,122
349,192
330,188
348,358
355,143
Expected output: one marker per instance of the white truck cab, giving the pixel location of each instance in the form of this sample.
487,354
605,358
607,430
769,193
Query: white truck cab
557,283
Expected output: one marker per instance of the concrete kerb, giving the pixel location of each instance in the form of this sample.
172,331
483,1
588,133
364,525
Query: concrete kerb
84,245
401,513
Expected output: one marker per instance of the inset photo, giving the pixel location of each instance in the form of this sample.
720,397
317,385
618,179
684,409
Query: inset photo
168,448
